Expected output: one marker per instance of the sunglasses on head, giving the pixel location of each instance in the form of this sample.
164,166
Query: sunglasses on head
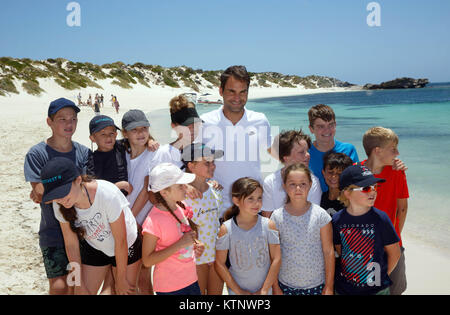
367,189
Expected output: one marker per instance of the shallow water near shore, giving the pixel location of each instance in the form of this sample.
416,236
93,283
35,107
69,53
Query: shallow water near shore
420,117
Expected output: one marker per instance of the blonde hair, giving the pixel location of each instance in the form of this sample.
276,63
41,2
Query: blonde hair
179,102
378,137
342,198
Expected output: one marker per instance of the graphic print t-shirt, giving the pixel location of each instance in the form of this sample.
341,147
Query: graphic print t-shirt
363,262
108,205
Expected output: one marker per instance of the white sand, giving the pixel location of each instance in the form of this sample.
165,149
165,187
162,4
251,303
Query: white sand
23,124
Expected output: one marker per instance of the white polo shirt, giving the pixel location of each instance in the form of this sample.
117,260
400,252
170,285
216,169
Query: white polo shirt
242,145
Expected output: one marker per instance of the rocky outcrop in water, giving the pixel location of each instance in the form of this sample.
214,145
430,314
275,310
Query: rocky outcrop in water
400,83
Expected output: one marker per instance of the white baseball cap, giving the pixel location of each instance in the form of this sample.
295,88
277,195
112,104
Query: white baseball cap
167,174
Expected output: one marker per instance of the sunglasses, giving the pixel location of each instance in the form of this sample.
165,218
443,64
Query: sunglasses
366,189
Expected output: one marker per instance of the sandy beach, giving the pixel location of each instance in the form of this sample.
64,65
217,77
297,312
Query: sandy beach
23,122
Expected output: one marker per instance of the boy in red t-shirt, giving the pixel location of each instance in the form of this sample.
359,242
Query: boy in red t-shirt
380,145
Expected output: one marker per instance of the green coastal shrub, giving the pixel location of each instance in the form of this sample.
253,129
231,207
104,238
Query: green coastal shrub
32,88
7,86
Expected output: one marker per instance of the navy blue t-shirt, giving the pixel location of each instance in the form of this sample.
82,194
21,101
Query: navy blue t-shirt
362,239
50,234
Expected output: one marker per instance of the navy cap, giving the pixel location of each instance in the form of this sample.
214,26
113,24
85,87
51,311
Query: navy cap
134,118
198,150
57,177
60,103
358,175
100,122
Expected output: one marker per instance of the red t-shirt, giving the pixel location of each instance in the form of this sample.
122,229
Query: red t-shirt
388,192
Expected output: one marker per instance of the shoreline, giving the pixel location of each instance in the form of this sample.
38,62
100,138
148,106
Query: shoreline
24,125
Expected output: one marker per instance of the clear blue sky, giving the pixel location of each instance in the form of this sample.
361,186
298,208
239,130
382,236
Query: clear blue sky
323,37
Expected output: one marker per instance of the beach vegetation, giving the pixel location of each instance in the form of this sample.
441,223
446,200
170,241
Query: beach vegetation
75,75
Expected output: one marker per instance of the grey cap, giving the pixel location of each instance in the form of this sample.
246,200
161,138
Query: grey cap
134,118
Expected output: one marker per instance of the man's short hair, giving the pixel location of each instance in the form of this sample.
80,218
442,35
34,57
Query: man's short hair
321,111
378,137
287,139
238,72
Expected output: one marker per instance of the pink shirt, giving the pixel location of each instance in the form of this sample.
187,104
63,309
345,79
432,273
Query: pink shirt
179,270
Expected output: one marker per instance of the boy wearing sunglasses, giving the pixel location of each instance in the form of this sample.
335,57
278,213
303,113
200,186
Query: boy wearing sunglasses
364,237
380,145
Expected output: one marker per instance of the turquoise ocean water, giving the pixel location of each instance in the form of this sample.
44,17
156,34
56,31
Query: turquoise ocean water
421,118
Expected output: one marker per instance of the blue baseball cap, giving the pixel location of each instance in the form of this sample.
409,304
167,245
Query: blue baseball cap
358,175
57,177
100,122
60,103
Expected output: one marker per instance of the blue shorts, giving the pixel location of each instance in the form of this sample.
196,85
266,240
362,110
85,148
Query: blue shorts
293,291
192,289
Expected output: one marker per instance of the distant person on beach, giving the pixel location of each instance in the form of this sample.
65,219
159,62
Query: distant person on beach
101,100
290,147
98,227
80,103
62,120
364,237
96,107
381,146
170,236
89,101
333,165
250,241
322,124
306,238
116,104
198,159
241,133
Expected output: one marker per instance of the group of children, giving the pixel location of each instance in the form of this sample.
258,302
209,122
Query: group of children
316,226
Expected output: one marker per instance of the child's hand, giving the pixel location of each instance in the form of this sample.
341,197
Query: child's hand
215,184
399,165
199,248
123,287
187,240
327,291
125,186
193,193
153,145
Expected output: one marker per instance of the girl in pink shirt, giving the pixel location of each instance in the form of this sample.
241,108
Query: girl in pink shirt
169,235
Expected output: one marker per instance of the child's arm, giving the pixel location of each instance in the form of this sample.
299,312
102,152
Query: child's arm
124,185
222,270
152,145
402,209
393,255
119,232
141,199
72,246
326,237
275,256
152,257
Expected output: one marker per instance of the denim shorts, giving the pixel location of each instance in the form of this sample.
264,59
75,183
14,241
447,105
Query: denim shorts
55,261
192,289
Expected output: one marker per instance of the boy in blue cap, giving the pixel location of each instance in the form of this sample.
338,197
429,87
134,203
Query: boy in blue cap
62,120
364,237
108,162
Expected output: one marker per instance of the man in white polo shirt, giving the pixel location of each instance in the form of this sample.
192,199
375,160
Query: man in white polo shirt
239,132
